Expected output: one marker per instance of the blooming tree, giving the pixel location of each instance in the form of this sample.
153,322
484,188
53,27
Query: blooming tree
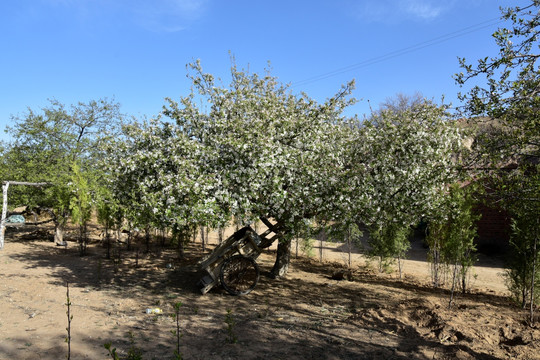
272,154
47,143
401,164
156,177
253,150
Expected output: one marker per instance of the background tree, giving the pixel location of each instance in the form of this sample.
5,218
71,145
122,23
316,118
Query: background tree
400,163
509,100
390,241
505,107
46,144
523,274
80,205
451,234
401,103
156,177
108,213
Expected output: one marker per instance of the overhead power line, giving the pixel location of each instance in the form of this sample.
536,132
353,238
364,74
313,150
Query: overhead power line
401,52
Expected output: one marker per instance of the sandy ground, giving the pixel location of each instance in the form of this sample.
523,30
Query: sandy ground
306,315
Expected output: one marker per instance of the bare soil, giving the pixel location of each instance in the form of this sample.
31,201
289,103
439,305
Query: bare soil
306,315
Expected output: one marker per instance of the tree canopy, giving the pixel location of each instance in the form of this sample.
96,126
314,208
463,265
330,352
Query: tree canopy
272,153
47,143
509,93
253,149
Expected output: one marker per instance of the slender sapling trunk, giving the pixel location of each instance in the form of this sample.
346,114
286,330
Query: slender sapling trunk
533,280
454,276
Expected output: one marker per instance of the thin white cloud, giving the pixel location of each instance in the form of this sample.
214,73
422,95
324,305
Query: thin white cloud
422,9
392,11
153,15
165,15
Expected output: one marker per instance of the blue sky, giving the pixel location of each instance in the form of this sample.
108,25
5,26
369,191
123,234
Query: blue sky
135,51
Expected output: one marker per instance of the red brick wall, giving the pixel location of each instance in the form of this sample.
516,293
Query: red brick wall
493,228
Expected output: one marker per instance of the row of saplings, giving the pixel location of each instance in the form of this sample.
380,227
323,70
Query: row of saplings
134,352
451,253
450,240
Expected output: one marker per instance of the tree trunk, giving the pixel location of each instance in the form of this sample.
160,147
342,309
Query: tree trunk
463,281
147,239
524,283
82,240
464,272
221,232
203,239
108,242
452,290
349,249
400,263
533,280
283,258
179,236
129,236
180,248
59,234
162,233
435,263
321,244
107,235
180,239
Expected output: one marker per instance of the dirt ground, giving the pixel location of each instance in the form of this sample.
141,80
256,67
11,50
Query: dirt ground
306,315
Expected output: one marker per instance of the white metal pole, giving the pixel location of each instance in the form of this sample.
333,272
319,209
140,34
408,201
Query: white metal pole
4,214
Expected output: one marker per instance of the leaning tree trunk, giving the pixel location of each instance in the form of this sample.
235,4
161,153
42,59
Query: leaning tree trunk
283,257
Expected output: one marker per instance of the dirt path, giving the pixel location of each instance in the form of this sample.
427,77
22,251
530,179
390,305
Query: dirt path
304,316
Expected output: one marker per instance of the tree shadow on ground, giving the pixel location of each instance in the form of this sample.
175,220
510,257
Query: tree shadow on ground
418,251
285,318
337,322
131,271
327,310
368,277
